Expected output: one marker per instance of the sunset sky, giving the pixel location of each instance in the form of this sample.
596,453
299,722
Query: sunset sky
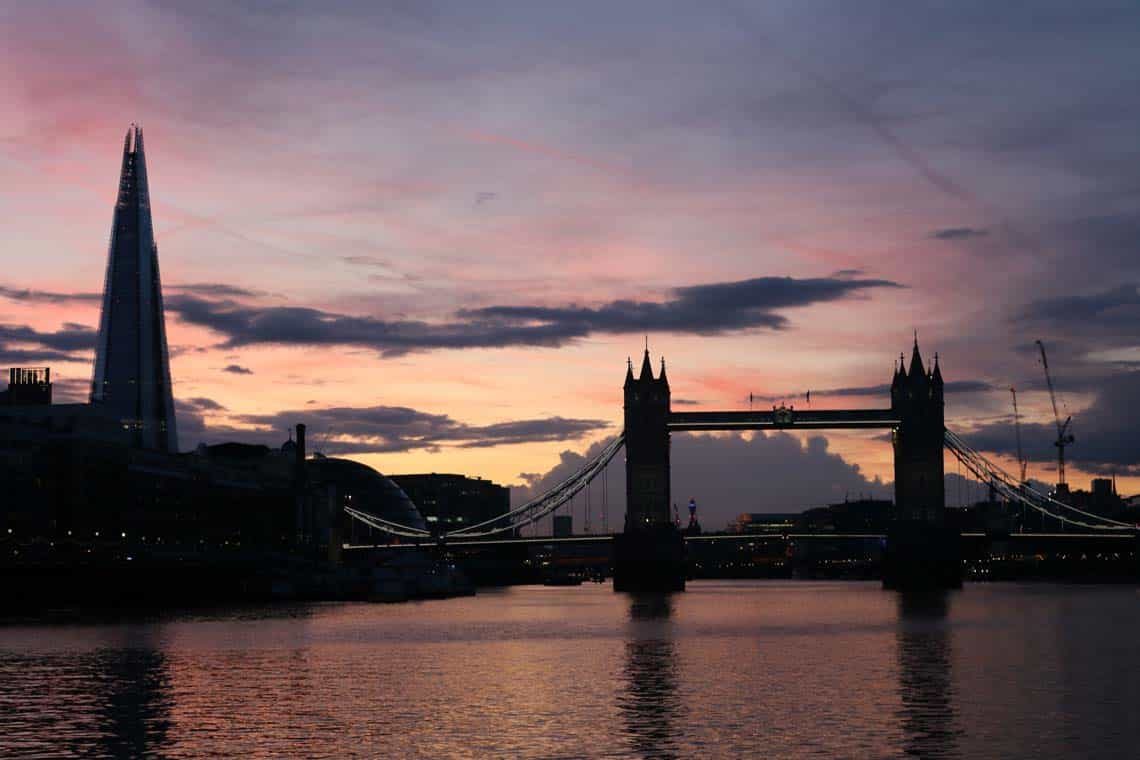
434,231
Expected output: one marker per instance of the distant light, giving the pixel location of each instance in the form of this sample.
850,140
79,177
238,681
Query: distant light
124,534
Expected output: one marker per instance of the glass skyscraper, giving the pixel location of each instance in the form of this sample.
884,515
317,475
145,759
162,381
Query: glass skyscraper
132,365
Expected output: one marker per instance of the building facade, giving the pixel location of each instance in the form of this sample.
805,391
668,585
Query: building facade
449,502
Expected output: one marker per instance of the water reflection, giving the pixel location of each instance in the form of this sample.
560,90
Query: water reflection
928,713
650,704
134,708
110,700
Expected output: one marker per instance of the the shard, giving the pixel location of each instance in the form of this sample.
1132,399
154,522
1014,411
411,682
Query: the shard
132,366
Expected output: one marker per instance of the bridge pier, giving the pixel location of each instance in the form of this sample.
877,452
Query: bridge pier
649,555
921,552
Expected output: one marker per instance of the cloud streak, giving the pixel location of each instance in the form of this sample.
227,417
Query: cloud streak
21,344
387,429
958,233
710,309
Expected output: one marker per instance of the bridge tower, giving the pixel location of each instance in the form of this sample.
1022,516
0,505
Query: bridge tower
917,398
646,446
650,554
921,551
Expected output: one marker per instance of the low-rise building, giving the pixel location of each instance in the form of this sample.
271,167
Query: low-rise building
449,501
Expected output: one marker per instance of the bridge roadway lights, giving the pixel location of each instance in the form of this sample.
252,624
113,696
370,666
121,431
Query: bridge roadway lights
650,559
922,556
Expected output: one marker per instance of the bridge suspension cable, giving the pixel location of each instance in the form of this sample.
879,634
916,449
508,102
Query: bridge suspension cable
518,517
539,507
1022,493
387,526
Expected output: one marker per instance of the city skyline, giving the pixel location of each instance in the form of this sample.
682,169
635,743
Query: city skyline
435,292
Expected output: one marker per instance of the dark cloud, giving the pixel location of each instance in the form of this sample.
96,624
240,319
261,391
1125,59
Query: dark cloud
1116,310
45,296
530,431
700,309
201,404
247,325
57,345
204,289
237,369
358,430
958,233
11,357
1103,240
192,427
215,290
1107,433
883,391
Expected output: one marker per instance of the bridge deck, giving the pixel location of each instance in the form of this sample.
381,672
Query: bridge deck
784,419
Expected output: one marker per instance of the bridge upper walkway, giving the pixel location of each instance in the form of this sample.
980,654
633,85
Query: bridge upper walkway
783,419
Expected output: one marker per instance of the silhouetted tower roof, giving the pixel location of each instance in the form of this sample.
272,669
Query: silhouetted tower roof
916,361
628,372
132,365
897,381
646,368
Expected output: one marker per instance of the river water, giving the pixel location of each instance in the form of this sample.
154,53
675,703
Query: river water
728,669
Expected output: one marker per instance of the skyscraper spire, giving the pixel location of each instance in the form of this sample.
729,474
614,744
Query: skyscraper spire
132,364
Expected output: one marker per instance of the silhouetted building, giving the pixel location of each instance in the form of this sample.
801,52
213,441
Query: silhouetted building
646,447
861,515
337,483
449,502
917,397
132,366
1101,499
563,526
27,386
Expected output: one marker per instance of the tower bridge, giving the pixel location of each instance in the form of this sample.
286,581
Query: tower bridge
649,552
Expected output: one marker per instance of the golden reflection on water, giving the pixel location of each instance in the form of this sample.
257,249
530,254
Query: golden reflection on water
732,669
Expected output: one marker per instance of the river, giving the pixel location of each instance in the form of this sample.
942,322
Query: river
727,669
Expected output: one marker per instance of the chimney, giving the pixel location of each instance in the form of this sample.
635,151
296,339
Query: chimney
300,445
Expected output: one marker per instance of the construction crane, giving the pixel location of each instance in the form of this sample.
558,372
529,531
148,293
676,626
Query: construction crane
1064,437
1017,431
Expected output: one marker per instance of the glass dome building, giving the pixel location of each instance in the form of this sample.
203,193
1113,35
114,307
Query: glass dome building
361,487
